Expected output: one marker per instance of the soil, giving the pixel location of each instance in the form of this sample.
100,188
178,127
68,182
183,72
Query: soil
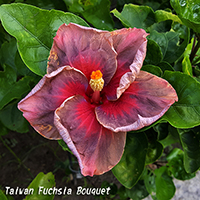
35,154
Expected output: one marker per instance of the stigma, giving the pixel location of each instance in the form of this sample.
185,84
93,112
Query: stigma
96,81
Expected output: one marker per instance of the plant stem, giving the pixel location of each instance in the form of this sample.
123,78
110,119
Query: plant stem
17,158
11,151
195,49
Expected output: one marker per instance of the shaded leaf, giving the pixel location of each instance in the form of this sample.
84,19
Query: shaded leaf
152,69
190,140
14,90
34,30
135,16
154,151
165,66
186,112
162,130
3,129
132,163
154,54
176,166
12,118
137,192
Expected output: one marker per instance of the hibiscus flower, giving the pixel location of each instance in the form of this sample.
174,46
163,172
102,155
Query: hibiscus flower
94,92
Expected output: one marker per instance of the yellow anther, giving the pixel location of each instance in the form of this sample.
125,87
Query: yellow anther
96,81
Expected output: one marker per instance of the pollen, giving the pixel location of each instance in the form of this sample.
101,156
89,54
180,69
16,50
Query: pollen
96,81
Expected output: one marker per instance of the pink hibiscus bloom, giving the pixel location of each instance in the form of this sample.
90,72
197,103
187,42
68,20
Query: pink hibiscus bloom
94,92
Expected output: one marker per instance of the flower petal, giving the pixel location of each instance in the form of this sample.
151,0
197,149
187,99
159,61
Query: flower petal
145,101
96,148
130,45
39,105
83,48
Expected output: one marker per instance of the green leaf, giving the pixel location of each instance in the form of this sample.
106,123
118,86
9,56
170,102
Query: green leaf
14,90
47,4
186,112
162,130
34,30
169,45
152,69
161,40
186,66
41,182
154,54
162,15
165,188
12,119
64,145
2,196
189,12
165,66
135,16
3,129
172,137
138,192
132,163
190,140
176,166
7,53
149,181
154,151
102,18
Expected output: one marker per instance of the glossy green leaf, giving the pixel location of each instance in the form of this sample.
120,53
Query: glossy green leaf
137,192
154,54
12,118
176,166
165,188
39,184
162,15
190,140
189,12
132,163
34,30
186,112
152,69
135,16
187,66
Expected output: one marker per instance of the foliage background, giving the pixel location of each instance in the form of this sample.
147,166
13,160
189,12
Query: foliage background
169,148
